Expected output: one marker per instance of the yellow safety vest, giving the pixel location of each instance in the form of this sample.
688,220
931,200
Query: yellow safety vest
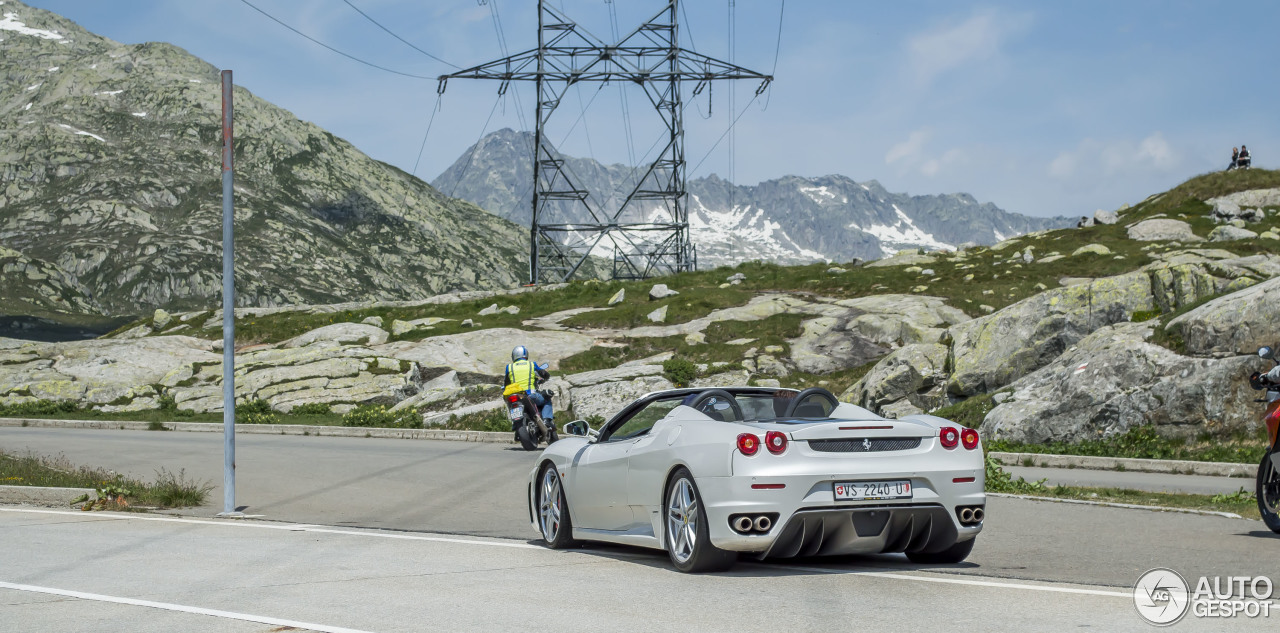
521,376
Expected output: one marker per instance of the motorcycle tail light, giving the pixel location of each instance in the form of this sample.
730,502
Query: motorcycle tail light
948,437
748,444
969,438
513,398
776,442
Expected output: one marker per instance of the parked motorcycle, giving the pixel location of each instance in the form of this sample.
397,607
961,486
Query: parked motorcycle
527,422
1269,469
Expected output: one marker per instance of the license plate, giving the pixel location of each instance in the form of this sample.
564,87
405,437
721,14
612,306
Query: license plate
872,490
516,413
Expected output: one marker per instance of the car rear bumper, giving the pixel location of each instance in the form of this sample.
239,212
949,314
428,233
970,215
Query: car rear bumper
811,522
866,530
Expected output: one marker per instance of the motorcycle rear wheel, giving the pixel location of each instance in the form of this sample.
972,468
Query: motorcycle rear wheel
1268,493
528,439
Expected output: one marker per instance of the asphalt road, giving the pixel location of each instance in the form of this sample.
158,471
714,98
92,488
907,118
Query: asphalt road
423,489
1153,482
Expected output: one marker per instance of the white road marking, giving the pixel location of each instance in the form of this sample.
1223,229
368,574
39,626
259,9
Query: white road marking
294,527
966,581
229,615
288,527
1110,504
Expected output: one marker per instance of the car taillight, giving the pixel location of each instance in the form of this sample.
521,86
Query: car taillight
948,437
513,398
775,441
969,438
748,444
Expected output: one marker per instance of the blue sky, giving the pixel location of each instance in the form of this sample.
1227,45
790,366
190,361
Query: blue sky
1042,108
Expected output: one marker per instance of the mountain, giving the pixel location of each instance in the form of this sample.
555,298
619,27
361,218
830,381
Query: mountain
790,219
110,192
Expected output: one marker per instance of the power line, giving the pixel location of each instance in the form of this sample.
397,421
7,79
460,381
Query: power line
347,55
778,47
471,156
726,133
423,147
407,42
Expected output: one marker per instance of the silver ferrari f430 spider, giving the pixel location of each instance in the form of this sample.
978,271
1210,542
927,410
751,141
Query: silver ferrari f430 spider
709,474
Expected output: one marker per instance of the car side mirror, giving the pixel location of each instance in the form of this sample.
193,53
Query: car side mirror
1266,352
579,428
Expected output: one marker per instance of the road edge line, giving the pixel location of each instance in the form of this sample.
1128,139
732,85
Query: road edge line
1112,504
168,606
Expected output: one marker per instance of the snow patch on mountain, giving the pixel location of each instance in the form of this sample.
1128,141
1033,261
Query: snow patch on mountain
904,233
13,24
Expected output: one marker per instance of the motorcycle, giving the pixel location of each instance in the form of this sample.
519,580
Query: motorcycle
1269,470
527,422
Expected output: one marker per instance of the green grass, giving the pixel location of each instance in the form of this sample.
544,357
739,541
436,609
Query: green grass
1145,442
169,490
999,480
968,412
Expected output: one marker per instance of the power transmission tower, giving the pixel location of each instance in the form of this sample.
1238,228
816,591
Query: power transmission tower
651,58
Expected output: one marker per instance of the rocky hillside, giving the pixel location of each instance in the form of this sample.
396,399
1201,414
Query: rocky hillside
1148,317
788,220
110,195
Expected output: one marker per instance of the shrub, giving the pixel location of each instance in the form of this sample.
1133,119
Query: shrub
39,407
253,417
255,412
679,371
176,491
313,408
378,415
167,403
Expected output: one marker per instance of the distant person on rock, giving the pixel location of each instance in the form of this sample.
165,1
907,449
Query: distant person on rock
1244,160
523,375
1235,157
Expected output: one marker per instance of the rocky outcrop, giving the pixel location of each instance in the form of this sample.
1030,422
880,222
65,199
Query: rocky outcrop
1114,380
914,374
1163,229
1244,205
487,352
853,332
992,351
1238,323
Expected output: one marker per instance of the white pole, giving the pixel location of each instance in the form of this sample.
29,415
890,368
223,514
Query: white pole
228,311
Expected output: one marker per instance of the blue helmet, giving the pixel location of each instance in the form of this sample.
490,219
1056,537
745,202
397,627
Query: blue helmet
519,353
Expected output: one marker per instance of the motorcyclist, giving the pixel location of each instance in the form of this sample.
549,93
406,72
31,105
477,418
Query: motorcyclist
523,375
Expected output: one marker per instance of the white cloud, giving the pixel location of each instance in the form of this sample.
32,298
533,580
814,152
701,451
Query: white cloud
912,154
1094,159
952,156
908,149
950,46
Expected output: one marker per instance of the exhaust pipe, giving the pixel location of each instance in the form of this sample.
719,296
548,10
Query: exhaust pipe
763,523
966,515
742,524
977,515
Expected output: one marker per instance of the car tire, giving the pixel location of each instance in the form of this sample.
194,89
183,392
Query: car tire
1268,477
554,521
954,554
526,440
683,506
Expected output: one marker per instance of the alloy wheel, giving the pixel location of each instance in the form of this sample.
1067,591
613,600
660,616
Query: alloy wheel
682,520
549,506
